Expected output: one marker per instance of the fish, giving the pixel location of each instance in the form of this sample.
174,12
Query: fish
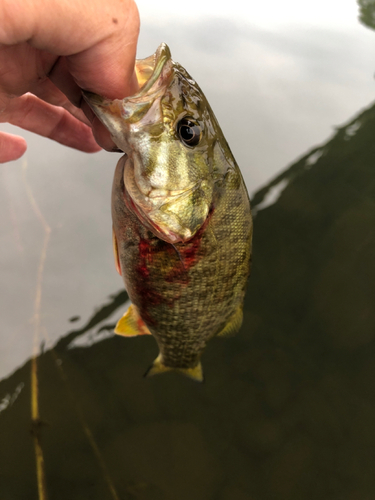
182,225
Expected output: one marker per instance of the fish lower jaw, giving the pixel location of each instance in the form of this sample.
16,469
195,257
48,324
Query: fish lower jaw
167,232
160,230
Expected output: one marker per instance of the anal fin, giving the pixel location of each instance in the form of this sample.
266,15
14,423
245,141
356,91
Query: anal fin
131,324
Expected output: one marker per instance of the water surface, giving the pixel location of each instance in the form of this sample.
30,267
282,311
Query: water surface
288,406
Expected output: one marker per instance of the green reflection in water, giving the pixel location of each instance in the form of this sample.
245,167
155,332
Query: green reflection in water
288,408
367,13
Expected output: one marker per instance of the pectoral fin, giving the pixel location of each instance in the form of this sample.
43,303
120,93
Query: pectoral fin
131,324
233,324
196,373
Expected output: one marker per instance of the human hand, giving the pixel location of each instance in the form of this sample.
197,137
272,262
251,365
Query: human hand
48,52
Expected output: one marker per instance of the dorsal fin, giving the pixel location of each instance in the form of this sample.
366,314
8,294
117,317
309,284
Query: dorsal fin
233,324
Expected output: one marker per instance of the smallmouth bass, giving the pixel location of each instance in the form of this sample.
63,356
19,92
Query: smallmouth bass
182,226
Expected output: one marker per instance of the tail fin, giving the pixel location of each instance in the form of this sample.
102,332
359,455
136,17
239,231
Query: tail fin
196,373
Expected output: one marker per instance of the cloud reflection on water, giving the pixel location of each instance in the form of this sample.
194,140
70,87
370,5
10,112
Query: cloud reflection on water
276,92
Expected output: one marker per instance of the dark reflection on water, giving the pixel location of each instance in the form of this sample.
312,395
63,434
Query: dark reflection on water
288,407
100,315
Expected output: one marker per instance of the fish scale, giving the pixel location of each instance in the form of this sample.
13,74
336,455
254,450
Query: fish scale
181,216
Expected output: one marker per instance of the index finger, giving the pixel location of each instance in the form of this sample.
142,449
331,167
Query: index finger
107,68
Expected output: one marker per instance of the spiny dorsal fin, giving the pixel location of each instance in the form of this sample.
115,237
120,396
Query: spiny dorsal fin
131,324
196,373
233,324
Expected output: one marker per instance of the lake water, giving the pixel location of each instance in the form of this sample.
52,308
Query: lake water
271,422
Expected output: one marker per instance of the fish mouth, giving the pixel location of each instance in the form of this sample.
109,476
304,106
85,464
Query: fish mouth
154,74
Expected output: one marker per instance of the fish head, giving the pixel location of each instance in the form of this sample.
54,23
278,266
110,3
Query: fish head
168,132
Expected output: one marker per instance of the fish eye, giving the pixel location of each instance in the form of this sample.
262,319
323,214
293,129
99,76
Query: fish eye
189,132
